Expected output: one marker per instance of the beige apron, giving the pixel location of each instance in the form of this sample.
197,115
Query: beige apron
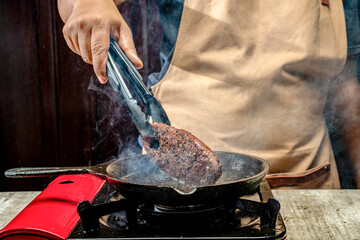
251,76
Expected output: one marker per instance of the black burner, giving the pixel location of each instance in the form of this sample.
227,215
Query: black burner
241,218
207,217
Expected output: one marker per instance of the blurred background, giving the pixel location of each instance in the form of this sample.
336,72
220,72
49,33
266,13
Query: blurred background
53,112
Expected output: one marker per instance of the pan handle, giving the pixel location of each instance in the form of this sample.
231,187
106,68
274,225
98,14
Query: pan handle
44,171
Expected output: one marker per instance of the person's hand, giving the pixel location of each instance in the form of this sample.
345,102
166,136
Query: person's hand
87,32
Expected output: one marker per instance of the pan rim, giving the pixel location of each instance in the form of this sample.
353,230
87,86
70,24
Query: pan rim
256,176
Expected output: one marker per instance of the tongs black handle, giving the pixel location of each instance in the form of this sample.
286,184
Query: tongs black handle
119,69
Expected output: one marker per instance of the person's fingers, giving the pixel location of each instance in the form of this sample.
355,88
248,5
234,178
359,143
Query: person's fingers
69,42
84,39
100,40
75,41
127,45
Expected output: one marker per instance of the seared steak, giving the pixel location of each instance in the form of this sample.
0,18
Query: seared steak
183,156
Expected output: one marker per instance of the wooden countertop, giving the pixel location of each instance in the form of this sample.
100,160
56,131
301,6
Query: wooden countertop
308,214
320,214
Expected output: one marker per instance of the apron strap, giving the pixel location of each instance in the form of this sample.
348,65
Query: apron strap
279,181
325,2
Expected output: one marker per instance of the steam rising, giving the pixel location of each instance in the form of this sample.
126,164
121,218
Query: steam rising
116,134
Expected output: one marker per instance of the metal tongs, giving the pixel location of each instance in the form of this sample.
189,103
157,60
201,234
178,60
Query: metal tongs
119,69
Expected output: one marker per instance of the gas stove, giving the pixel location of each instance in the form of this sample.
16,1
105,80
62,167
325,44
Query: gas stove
86,207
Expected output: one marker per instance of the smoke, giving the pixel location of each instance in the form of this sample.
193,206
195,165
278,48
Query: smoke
116,134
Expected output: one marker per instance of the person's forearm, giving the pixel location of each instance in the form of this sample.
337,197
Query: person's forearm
65,7
351,124
347,96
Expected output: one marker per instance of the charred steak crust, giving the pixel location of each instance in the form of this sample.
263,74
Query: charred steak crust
184,156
